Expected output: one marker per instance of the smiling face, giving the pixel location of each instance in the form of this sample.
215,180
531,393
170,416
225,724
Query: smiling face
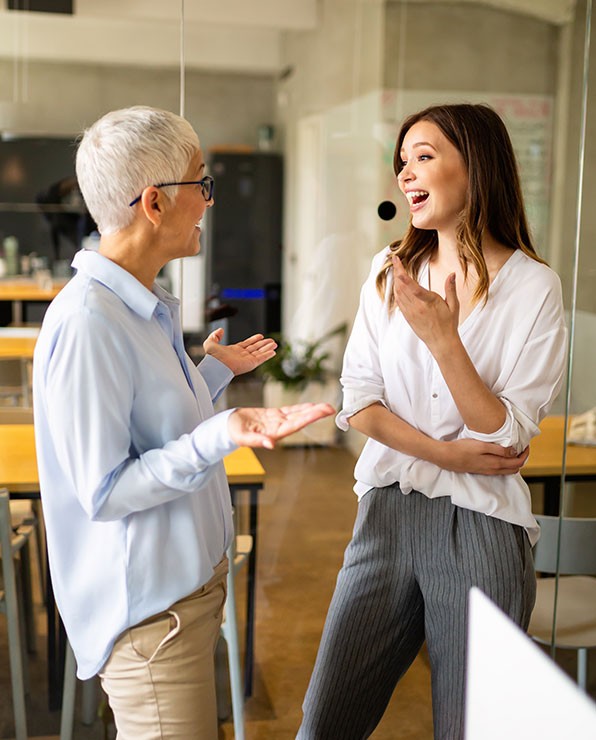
433,178
186,213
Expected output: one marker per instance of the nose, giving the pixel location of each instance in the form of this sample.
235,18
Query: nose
405,174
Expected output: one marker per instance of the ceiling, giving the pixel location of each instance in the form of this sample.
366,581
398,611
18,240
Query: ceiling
220,35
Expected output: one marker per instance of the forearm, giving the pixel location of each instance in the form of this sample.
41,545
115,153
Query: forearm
460,456
480,409
182,466
377,422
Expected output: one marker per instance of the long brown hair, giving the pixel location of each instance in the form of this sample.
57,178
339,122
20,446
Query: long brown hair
494,201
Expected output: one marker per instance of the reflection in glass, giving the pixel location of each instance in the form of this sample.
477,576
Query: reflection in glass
575,595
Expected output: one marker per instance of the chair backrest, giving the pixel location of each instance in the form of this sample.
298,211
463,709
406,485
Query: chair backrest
10,372
16,415
578,545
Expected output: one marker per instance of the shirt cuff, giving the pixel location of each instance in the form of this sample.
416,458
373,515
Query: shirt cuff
506,436
215,374
211,439
516,432
341,420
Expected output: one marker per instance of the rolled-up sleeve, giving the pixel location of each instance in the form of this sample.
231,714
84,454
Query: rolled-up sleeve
362,378
530,390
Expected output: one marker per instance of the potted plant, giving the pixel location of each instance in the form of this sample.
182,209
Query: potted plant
299,373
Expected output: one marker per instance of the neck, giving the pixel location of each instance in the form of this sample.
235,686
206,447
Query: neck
132,251
447,249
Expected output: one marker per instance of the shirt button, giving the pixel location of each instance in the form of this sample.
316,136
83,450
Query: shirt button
435,395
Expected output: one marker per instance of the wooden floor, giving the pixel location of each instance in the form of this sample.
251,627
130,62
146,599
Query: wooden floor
307,511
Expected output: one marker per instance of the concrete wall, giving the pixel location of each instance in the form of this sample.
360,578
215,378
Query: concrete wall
468,47
224,108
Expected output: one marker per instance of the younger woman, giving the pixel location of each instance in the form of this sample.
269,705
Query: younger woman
456,354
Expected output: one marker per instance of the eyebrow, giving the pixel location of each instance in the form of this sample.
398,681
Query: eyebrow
420,143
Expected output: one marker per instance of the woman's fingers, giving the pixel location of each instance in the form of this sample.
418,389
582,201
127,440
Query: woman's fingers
250,340
298,416
259,427
262,347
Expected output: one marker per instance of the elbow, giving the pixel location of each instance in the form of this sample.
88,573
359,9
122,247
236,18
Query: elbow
99,511
360,419
98,502
496,424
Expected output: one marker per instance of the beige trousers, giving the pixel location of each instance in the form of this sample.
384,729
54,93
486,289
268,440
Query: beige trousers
160,676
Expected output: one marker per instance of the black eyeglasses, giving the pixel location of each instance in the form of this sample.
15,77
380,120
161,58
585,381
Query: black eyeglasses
207,184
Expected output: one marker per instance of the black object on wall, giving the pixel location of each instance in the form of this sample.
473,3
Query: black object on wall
42,6
244,248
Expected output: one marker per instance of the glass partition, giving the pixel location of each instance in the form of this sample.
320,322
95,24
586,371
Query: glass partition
297,112
339,119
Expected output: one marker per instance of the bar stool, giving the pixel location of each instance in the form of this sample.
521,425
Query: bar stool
238,553
12,543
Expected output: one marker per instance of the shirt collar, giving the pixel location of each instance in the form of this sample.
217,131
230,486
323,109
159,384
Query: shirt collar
122,283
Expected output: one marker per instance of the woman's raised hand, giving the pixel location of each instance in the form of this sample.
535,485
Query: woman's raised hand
243,356
263,427
481,458
433,319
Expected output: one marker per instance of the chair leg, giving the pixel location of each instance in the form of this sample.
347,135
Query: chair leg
15,649
68,695
582,668
28,606
89,701
19,577
230,632
40,546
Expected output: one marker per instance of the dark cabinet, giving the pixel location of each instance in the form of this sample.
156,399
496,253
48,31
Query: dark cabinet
244,254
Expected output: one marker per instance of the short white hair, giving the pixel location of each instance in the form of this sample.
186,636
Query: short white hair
126,151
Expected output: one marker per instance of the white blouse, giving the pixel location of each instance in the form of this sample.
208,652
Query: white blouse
517,342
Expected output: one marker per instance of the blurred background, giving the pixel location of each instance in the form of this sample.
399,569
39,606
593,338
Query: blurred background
297,104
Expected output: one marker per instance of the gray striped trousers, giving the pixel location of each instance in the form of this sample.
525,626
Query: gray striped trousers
405,578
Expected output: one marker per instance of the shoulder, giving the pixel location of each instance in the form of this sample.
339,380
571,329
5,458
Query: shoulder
379,259
85,316
376,264
536,273
530,294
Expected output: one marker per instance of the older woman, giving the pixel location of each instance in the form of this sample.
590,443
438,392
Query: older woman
130,452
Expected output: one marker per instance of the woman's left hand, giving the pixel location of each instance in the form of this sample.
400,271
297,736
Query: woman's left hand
243,356
433,319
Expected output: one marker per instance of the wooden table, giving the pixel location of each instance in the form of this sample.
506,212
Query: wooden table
19,290
16,347
18,473
545,462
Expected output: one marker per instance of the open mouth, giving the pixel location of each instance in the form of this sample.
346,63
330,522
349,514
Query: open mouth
199,225
416,197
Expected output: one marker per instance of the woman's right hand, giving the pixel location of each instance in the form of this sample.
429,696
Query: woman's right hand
480,458
258,427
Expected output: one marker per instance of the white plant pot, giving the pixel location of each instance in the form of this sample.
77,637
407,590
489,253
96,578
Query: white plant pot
322,432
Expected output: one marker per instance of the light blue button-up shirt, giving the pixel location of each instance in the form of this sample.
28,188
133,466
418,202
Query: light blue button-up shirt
135,497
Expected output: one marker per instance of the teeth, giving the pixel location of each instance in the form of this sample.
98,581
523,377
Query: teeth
415,194
200,224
